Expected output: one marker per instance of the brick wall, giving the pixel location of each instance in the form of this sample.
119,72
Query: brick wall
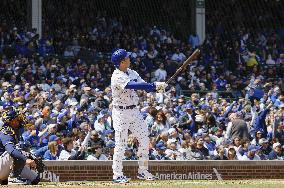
102,170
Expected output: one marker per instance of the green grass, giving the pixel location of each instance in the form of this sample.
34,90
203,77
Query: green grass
186,185
170,184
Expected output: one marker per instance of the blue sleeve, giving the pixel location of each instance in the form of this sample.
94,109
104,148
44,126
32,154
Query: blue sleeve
263,114
8,142
71,121
73,118
47,155
141,86
273,97
61,115
228,110
240,107
257,123
258,93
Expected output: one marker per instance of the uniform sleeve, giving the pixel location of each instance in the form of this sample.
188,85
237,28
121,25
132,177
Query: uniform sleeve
9,144
120,81
139,79
149,87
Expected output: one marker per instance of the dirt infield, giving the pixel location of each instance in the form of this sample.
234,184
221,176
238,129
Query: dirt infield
168,184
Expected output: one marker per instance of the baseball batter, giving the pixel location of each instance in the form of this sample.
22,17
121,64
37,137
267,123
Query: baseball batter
126,115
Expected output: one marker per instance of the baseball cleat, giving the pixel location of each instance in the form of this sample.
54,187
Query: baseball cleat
121,179
146,176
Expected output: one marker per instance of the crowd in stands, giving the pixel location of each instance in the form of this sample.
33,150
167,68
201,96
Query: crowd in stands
240,115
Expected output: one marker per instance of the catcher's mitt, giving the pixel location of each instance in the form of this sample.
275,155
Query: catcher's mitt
24,148
40,167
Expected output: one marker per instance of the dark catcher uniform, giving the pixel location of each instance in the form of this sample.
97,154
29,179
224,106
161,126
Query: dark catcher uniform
12,161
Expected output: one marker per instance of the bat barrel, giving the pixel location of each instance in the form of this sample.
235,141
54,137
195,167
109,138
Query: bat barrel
187,62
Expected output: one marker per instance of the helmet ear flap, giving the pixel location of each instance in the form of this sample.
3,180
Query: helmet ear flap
116,65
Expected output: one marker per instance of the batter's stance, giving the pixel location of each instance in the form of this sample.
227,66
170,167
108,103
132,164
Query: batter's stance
126,116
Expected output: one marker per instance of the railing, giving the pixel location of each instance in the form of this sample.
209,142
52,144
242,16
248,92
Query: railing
202,93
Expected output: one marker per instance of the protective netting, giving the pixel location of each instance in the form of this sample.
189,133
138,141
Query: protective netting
226,17
256,15
13,14
241,27
223,16
167,14
91,29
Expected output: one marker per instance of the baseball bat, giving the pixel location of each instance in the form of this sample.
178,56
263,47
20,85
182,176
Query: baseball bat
185,63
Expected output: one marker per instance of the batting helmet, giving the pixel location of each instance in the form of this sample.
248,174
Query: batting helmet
118,55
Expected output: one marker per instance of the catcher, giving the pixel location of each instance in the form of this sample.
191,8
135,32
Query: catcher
12,160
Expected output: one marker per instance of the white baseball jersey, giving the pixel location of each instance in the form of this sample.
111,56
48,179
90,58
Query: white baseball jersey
121,96
127,119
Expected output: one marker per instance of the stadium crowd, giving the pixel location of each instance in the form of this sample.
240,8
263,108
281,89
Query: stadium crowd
235,110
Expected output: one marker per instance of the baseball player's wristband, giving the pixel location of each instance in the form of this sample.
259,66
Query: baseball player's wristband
141,86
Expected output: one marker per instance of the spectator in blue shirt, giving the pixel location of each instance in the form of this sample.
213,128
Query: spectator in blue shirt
31,135
221,83
160,152
265,148
278,128
52,152
259,122
209,145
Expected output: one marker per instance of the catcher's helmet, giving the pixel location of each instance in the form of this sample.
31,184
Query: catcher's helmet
13,114
118,55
